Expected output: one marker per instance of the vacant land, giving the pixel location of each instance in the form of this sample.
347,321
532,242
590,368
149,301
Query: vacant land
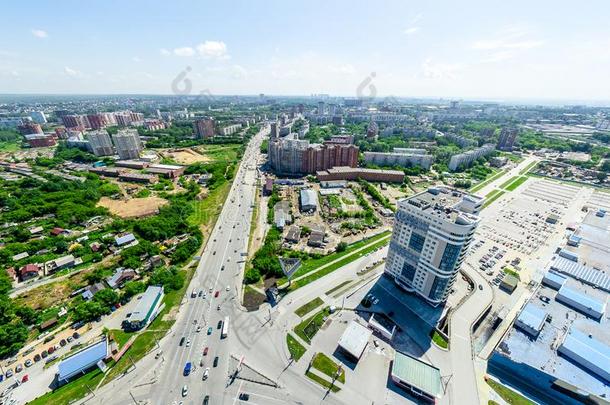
219,153
134,208
186,156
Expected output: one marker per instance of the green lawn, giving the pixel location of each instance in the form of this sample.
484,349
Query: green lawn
492,196
482,184
208,209
516,183
9,147
322,382
294,347
440,340
220,153
326,365
143,344
312,264
329,269
332,290
509,181
72,391
308,307
307,329
507,394
528,168
512,272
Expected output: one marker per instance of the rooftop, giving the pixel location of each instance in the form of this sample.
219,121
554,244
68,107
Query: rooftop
447,203
147,304
417,374
355,338
82,360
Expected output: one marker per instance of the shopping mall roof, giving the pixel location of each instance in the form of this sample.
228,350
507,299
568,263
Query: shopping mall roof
355,338
587,352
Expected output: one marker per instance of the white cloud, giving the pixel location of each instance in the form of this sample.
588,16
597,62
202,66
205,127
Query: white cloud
239,72
495,44
164,52
433,70
499,56
184,51
136,59
72,72
213,49
418,17
346,69
39,33
411,31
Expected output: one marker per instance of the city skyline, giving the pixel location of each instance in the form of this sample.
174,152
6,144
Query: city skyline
473,51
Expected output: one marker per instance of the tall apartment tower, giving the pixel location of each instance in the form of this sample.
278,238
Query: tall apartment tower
432,233
507,139
275,130
128,144
100,143
204,128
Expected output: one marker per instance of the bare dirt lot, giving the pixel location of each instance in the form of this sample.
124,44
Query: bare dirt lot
137,207
185,156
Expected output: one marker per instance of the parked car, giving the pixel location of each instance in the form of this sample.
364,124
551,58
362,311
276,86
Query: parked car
62,342
76,335
19,368
206,400
216,294
206,374
28,363
9,373
25,378
44,354
37,357
210,330
205,351
70,339
219,325
244,396
185,391
182,340
216,361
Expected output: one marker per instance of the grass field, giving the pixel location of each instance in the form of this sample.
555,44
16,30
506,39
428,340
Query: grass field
492,196
312,264
509,181
332,290
307,329
76,389
9,147
322,382
220,153
208,209
482,184
507,394
326,365
308,307
513,186
345,260
294,347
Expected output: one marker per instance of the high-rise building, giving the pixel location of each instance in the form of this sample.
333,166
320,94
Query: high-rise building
204,128
275,130
431,235
128,144
97,121
75,121
38,117
404,159
507,139
372,131
123,119
100,143
29,127
321,108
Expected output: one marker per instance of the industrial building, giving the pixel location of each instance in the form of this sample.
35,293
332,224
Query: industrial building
466,159
147,309
168,171
398,159
82,361
431,235
308,199
355,173
559,350
281,214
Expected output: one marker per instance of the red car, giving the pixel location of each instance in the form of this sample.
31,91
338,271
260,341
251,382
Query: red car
216,294
205,351
25,378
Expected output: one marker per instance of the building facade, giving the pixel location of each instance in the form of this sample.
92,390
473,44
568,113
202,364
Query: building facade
507,139
431,235
128,144
100,143
466,159
204,128
398,159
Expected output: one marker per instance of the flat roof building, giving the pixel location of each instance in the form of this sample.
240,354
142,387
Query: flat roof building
168,171
399,159
82,361
147,309
355,173
419,378
309,200
354,340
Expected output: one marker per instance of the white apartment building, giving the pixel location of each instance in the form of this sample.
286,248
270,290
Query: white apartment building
100,143
398,159
128,144
230,129
467,158
431,235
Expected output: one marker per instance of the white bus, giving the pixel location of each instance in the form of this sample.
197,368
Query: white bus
225,328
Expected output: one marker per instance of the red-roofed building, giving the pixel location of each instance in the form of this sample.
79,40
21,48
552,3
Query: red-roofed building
57,231
28,271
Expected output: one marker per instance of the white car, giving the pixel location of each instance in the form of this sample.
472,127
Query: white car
228,288
206,374
185,391
188,343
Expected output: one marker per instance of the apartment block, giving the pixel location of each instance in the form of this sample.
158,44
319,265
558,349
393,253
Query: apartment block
100,143
431,235
128,144
204,128
398,159
466,159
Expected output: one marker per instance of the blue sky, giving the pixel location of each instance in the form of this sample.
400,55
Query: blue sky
470,49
